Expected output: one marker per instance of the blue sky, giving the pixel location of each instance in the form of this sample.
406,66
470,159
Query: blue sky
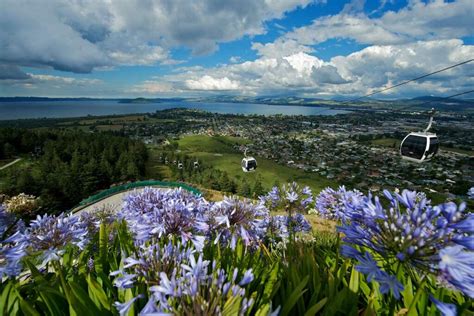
320,49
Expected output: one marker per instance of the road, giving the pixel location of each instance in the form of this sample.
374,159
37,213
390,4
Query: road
10,164
114,202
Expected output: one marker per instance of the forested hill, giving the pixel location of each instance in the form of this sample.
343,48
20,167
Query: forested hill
69,165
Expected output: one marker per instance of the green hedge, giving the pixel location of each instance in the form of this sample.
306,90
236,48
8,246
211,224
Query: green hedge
124,187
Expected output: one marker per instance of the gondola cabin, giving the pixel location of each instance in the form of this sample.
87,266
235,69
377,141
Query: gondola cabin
419,147
249,164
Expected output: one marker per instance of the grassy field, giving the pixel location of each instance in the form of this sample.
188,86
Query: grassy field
219,152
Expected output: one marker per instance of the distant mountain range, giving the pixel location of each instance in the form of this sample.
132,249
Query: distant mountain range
418,103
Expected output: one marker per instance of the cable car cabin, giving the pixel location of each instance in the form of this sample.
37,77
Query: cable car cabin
419,147
249,164
180,165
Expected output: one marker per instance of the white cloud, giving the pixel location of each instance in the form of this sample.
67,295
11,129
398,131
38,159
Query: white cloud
235,59
152,87
280,48
418,21
361,72
64,80
210,83
79,36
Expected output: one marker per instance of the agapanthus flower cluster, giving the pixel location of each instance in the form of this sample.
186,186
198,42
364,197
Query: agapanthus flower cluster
9,223
92,219
337,205
150,260
180,281
413,233
50,235
200,288
10,251
290,197
281,225
233,218
10,259
154,213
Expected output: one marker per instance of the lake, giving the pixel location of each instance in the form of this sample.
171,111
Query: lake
75,108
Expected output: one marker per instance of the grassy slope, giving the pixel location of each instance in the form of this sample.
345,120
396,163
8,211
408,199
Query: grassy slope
219,152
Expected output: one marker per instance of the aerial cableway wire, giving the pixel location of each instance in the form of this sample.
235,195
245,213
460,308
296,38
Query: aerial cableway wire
412,80
437,100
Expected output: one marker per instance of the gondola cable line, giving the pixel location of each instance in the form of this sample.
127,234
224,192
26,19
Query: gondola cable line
419,146
410,80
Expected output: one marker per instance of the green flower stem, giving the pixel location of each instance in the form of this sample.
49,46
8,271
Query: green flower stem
393,300
412,308
59,270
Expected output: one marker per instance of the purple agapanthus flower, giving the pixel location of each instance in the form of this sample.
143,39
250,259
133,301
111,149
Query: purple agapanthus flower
444,308
151,260
282,225
233,218
193,287
457,267
415,234
368,266
290,197
337,205
92,220
153,213
11,251
10,260
49,235
123,308
389,283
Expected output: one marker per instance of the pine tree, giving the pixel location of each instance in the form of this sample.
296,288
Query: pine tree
244,189
258,189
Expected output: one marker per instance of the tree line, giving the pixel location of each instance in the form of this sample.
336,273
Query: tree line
67,166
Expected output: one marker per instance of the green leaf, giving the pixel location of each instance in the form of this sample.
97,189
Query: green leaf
270,283
5,298
37,276
97,293
103,240
82,304
313,310
294,297
54,300
354,282
264,310
27,308
232,306
407,293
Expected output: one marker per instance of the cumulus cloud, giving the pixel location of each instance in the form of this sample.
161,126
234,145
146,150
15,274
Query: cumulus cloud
280,48
327,74
152,87
211,83
64,80
358,73
417,21
79,36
